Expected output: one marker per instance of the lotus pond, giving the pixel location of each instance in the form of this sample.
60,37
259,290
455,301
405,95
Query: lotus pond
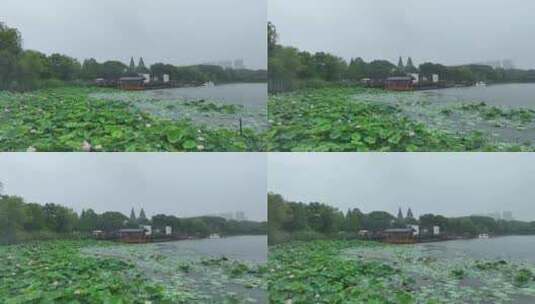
100,272
359,119
80,119
366,272
221,106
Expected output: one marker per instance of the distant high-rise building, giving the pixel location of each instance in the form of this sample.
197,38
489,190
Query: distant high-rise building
495,215
238,64
227,64
240,216
507,215
508,64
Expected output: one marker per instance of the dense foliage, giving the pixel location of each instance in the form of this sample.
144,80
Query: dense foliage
24,70
21,221
56,272
290,69
334,119
67,119
301,221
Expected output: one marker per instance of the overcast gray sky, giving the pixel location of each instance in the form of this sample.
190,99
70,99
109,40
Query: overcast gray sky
179,32
446,31
179,184
451,184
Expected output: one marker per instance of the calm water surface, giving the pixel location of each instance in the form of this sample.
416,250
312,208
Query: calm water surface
516,248
519,95
247,248
246,94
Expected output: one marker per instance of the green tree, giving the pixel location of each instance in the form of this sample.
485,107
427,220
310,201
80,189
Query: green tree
112,221
32,66
329,67
277,211
10,51
89,220
90,69
357,69
378,220
60,219
34,217
380,69
112,70
64,67
272,38
11,218
353,220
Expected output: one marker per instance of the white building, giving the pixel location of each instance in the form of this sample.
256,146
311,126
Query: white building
148,230
415,77
436,230
168,230
415,230
146,78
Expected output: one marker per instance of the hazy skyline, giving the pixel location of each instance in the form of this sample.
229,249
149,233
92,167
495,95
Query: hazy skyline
450,32
180,184
452,184
179,32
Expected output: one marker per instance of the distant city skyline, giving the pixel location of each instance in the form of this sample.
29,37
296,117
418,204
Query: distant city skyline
177,32
453,32
179,184
448,184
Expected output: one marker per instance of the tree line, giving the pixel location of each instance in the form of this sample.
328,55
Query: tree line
22,69
307,221
21,221
296,68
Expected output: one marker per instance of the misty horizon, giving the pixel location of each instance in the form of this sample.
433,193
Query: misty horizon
160,183
452,185
404,210
180,33
426,31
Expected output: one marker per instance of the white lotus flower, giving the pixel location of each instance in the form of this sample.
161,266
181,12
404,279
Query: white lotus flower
86,146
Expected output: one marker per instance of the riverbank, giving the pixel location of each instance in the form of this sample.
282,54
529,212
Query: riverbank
339,271
359,119
68,119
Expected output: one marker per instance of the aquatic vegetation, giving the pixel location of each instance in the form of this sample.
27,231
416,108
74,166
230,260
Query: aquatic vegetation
68,119
56,272
204,106
102,272
366,272
213,114
359,119
502,127
207,279
315,272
